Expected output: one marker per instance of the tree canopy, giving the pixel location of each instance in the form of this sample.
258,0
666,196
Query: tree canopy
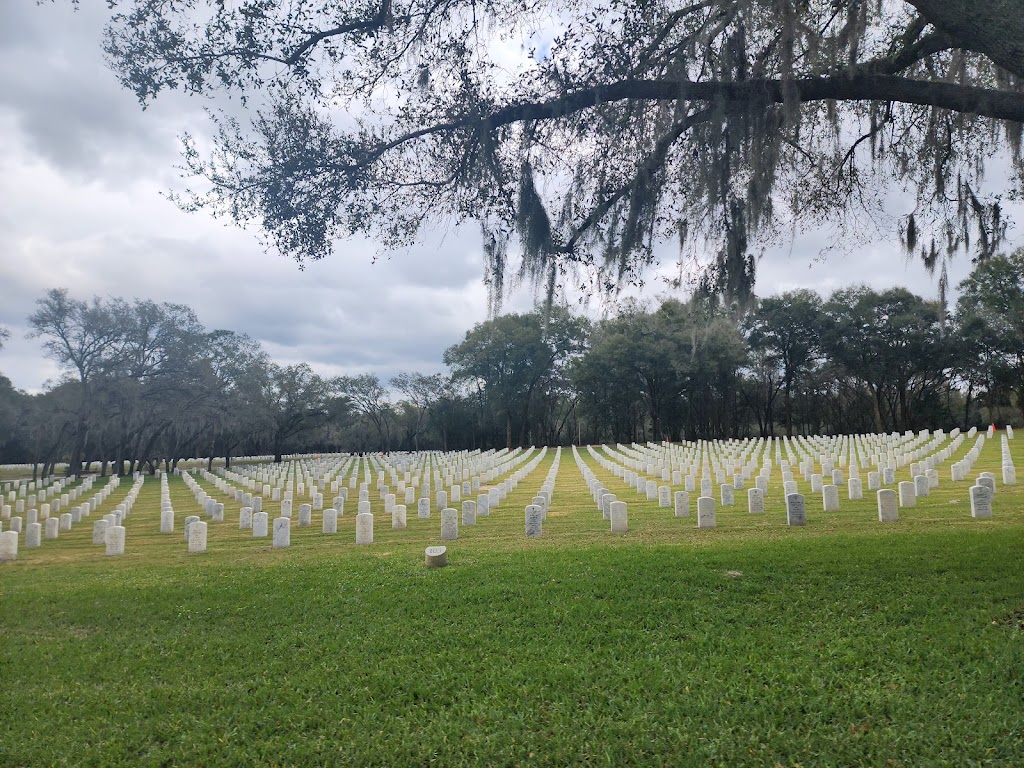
145,383
582,134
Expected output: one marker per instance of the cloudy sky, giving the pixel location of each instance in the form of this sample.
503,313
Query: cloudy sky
81,176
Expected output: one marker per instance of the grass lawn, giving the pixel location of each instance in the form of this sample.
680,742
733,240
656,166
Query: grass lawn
847,642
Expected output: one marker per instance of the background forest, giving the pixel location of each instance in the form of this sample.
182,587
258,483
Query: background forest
146,383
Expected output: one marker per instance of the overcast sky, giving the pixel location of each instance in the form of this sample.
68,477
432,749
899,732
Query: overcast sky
81,176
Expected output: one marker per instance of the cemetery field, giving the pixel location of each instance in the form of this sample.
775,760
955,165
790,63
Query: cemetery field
844,642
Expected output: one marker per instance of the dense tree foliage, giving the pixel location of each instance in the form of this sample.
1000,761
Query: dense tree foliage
583,133
145,383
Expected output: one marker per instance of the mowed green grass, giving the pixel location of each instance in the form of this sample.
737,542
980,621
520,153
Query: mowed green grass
847,642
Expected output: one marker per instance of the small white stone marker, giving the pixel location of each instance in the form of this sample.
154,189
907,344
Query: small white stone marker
682,504
115,540
921,486
197,537
830,498
423,508
8,546
260,523
436,557
469,513
908,494
364,528
330,520
449,524
534,521
33,535
755,501
796,513
981,501
282,532
167,520
188,521
664,497
305,515
245,518
888,509
854,489
619,516
706,512
286,508
99,531
727,492
53,530
398,516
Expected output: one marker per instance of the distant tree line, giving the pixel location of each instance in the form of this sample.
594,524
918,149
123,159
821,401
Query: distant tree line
146,385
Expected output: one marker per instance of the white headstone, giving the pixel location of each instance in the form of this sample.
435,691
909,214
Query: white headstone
706,512
888,509
305,515
619,517
755,501
682,504
282,532
981,501
423,508
188,522
364,528
830,498
398,515
534,520
33,535
908,495
330,520
115,540
197,537
449,524
728,494
664,497
796,513
260,523
921,486
8,546
469,513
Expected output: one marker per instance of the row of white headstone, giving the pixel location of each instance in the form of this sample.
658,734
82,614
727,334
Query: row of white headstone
537,509
250,517
103,530
925,478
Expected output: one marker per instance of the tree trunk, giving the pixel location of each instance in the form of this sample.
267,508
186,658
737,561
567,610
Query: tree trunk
876,408
994,28
789,406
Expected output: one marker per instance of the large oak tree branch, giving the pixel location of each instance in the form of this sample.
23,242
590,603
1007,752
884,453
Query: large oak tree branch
985,102
994,28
